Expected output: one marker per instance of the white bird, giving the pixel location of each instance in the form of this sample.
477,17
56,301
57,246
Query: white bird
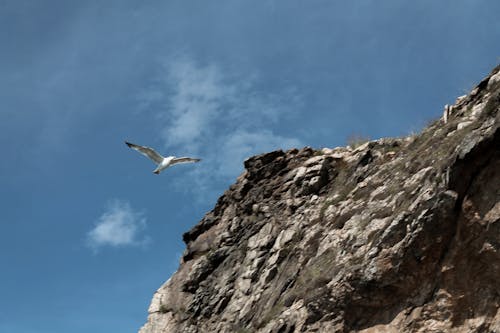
162,162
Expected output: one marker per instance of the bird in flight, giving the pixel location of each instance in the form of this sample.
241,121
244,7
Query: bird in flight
162,162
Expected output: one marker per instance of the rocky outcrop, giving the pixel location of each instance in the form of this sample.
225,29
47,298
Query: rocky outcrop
396,235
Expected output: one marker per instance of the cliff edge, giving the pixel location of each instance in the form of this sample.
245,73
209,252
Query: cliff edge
395,235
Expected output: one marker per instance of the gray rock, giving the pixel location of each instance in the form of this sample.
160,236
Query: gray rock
397,235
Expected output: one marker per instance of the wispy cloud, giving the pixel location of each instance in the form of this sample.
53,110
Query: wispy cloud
118,226
236,146
197,99
221,117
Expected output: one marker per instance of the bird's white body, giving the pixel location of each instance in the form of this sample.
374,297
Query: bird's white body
165,163
162,162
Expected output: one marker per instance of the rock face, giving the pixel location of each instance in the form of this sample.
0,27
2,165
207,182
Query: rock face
396,235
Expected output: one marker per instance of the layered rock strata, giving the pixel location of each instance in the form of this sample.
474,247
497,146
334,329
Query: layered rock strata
396,235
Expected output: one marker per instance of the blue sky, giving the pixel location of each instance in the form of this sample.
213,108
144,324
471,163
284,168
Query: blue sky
88,233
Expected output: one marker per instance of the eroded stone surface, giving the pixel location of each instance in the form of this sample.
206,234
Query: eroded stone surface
397,235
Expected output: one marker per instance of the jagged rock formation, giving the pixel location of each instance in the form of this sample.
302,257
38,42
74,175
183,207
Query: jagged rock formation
396,235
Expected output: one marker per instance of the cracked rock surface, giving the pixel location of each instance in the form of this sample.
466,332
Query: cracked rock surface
396,235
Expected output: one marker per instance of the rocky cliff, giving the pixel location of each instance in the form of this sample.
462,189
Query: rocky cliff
395,235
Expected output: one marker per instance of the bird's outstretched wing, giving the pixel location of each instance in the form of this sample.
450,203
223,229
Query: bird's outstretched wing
184,160
146,151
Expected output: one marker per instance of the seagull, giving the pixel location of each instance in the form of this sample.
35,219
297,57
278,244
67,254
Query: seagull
162,162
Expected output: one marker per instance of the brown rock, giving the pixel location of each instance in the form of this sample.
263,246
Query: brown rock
397,235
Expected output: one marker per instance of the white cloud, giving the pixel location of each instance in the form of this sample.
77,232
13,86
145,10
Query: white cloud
118,226
198,95
221,118
240,144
